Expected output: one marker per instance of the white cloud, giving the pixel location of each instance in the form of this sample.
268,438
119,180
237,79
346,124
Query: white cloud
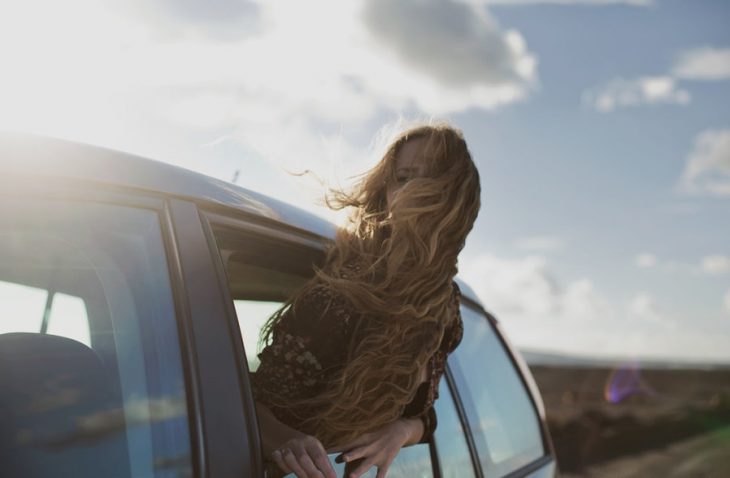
643,307
706,63
645,260
525,296
727,301
621,93
540,243
539,313
637,3
583,303
281,80
513,287
707,168
457,44
716,264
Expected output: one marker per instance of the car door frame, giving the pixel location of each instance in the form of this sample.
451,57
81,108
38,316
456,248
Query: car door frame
207,216
266,229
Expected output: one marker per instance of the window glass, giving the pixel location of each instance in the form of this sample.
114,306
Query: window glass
21,307
449,438
411,462
499,410
252,315
68,318
90,366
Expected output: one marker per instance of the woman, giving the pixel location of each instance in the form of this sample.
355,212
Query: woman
353,361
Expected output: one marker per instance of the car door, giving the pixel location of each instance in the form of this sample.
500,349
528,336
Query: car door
264,263
92,369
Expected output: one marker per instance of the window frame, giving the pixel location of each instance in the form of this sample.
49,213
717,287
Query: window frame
264,229
236,221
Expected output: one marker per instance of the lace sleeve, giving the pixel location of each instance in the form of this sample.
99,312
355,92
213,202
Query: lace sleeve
305,343
455,332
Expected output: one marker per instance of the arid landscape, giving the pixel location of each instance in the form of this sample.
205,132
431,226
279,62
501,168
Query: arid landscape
628,420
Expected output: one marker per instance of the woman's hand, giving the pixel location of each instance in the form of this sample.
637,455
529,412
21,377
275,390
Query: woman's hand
291,450
305,457
379,448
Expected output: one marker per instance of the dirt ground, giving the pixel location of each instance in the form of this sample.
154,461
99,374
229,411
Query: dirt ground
626,421
704,456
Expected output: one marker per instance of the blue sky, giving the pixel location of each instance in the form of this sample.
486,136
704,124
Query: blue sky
600,128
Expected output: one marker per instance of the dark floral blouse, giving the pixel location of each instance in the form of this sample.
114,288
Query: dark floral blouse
308,348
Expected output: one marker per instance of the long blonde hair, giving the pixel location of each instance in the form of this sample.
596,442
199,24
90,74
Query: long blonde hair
408,259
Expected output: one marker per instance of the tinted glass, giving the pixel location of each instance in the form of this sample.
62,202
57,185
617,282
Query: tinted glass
90,365
499,410
451,446
411,462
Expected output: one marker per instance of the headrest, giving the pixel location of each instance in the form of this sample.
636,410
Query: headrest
58,413
41,372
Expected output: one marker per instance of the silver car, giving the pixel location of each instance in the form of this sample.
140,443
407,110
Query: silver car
131,297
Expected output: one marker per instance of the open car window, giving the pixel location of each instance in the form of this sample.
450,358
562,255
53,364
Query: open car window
262,273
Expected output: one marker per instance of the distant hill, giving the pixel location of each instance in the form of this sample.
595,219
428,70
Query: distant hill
536,357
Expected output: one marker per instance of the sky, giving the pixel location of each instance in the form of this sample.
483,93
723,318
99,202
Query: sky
600,129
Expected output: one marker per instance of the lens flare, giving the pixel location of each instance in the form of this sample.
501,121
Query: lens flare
624,381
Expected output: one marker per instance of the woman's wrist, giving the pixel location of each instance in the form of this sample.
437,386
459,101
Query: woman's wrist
413,429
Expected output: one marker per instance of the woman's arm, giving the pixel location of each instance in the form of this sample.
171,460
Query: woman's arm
294,451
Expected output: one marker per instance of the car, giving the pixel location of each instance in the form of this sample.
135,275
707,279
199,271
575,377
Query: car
131,297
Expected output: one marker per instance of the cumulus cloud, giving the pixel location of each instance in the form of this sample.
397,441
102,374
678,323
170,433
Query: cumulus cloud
644,307
457,44
540,312
526,287
706,63
281,81
645,260
514,287
539,243
223,20
707,168
716,264
621,93
637,3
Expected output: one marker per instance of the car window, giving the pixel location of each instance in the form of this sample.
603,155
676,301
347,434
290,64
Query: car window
252,315
262,274
90,366
411,462
449,438
498,407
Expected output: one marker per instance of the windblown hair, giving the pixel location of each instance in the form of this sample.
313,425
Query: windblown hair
403,287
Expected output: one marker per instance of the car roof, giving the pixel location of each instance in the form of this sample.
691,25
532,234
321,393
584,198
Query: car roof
42,156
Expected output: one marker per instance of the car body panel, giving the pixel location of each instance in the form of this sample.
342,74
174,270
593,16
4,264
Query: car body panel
223,425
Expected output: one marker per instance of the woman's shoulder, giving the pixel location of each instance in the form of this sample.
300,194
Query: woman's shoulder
320,310
455,301
455,291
